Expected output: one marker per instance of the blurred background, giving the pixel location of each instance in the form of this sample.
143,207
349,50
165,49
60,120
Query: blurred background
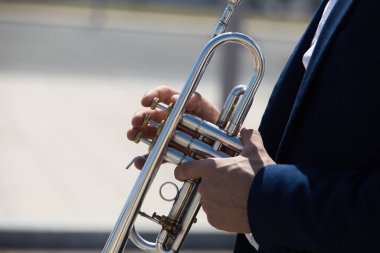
71,77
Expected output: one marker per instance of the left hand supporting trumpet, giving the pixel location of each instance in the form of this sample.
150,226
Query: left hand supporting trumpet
225,182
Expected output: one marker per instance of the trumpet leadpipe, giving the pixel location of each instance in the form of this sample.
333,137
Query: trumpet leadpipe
221,27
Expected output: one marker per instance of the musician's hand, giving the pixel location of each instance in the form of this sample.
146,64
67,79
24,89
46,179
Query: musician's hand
197,106
226,182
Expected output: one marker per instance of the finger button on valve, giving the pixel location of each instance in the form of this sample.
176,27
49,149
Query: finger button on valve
138,137
154,103
147,118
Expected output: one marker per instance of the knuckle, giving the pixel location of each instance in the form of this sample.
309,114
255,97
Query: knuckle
256,132
161,87
131,133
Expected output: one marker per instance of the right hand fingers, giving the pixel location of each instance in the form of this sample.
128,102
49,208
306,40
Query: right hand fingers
197,105
164,93
139,117
137,123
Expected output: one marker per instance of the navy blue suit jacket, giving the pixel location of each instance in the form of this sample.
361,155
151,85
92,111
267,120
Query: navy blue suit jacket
322,127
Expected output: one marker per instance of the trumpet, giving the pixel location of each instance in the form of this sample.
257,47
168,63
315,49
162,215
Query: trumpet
182,138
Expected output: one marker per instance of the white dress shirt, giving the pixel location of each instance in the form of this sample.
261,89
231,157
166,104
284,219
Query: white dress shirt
326,13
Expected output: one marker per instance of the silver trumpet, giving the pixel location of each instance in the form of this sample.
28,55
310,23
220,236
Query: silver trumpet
183,137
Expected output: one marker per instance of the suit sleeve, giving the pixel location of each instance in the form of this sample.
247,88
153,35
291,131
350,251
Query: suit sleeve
309,209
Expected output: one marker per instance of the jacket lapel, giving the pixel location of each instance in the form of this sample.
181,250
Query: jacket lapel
327,34
280,105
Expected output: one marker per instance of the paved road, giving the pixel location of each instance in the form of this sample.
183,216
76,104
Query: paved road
69,84
68,41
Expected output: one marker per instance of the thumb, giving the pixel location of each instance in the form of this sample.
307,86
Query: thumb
247,137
